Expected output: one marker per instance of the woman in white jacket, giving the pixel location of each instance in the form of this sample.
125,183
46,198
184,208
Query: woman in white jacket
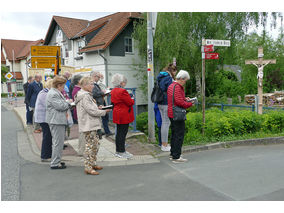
89,121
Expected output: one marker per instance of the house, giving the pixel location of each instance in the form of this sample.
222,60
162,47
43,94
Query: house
15,55
105,45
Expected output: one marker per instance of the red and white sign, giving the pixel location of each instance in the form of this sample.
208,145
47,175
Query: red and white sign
208,48
211,55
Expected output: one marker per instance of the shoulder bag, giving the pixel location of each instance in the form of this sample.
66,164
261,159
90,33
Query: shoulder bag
178,112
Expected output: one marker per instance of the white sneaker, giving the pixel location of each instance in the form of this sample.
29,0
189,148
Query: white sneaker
125,155
129,155
166,148
180,160
171,157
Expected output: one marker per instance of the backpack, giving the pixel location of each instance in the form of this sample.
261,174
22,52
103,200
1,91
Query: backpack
157,95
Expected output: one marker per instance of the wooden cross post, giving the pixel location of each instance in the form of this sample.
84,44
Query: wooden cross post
260,64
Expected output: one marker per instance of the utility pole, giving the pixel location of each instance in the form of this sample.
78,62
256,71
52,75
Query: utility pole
203,88
150,72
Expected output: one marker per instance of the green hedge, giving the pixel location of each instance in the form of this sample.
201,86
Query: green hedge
4,95
229,125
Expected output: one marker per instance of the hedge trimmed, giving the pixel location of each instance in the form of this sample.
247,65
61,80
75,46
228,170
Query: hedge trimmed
226,125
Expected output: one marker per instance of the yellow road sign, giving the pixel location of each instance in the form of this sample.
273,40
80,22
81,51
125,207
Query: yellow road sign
9,76
44,62
45,50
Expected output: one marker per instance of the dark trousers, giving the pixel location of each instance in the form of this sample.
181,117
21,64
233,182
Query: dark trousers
29,115
105,123
178,128
46,146
121,132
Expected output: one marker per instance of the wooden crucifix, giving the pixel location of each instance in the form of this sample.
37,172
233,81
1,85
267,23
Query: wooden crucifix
260,64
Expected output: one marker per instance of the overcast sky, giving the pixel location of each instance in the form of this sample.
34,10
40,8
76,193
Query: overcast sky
21,21
34,26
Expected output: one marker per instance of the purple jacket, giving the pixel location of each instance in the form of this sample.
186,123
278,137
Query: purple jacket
74,92
40,106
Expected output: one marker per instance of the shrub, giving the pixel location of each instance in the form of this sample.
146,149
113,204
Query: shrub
220,126
273,122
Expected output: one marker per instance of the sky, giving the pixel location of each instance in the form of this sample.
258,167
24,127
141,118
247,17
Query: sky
34,25
27,20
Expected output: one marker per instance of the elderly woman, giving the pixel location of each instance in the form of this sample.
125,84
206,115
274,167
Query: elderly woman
40,113
99,95
89,122
56,117
122,113
75,80
164,79
178,126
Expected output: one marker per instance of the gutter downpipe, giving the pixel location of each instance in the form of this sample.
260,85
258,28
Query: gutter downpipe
106,67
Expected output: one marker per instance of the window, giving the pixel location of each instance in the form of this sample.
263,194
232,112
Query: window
19,85
128,45
59,37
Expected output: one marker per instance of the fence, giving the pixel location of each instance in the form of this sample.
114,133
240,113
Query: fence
242,106
133,124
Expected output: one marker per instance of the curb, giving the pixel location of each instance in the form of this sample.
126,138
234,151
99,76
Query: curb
230,144
155,150
29,151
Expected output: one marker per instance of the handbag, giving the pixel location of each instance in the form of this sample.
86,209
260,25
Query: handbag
178,112
69,118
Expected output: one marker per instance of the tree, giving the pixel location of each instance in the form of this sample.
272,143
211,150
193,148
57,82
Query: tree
273,74
179,35
4,71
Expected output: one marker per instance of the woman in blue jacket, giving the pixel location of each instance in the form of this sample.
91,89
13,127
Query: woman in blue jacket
164,79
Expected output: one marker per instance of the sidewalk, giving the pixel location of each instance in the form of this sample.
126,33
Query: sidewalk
142,152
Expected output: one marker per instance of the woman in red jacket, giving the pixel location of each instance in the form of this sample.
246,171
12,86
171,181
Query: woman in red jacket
178,127
122,113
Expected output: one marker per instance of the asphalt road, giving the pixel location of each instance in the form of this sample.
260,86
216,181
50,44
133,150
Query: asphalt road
240,173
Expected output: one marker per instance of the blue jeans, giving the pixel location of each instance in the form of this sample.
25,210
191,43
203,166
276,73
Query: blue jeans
105,123
29,115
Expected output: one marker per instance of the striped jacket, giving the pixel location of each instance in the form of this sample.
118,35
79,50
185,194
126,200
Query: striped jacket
179,98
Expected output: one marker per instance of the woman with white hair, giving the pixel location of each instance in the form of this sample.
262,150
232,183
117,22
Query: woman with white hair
177,126
122,113
40,113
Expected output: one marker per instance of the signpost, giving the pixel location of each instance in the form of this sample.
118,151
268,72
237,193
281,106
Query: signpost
220,43
208,46
211,55
44,62
260,64
45,50
47,57
9,76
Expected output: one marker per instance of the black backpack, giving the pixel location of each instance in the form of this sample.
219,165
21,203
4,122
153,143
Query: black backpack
157,95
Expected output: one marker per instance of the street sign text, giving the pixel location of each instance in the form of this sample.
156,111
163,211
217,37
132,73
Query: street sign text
223,43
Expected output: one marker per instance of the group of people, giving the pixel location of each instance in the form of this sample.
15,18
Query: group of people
172,85
63,100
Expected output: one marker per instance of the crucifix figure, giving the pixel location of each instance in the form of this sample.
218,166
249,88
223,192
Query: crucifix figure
260,64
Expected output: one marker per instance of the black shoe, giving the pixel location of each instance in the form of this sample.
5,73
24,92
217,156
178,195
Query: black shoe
109,134
62,166
64,146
